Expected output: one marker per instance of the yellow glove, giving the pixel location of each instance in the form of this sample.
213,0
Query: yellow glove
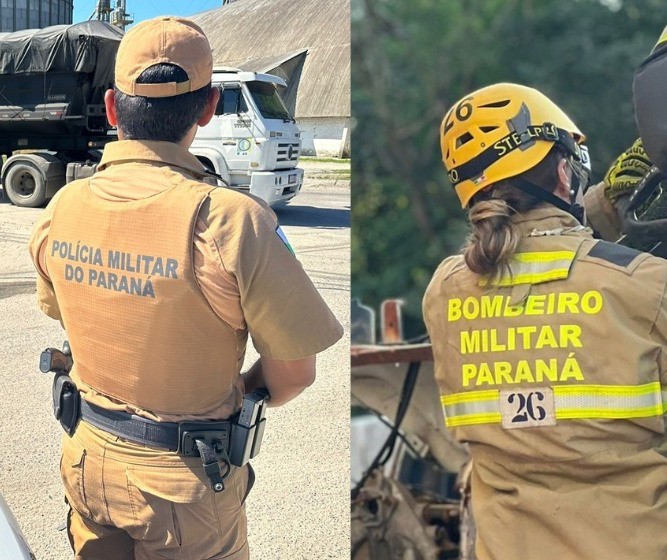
625,173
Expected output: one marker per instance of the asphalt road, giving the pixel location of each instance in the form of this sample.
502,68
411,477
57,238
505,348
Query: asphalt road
298,508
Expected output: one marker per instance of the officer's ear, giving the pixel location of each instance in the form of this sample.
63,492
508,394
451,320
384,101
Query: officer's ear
211,104
110,104
564,173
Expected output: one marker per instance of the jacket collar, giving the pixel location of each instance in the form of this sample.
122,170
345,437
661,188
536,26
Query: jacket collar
546,217
151,151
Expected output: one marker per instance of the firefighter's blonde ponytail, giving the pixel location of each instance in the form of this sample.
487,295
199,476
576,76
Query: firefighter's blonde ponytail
494,237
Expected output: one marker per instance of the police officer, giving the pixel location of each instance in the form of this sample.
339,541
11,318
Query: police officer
158,278
550,346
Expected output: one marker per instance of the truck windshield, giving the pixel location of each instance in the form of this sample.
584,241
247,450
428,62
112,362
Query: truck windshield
268,101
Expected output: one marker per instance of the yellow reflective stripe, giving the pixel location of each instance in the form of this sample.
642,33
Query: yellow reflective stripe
531,278
595,390
570,402
544,256
534,268
609,401
474,407
609,413
476,396
471,419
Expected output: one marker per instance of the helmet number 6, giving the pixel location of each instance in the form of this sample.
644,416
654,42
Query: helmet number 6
464,109
462,112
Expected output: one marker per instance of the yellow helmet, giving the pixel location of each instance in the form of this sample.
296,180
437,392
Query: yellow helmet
500,131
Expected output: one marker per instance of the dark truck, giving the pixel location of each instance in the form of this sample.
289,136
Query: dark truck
52,118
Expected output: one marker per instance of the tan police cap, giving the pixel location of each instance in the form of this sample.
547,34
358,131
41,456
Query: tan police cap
164,40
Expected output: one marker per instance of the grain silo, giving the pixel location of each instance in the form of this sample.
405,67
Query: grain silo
32,14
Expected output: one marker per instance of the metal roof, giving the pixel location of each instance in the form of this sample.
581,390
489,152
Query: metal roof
308,39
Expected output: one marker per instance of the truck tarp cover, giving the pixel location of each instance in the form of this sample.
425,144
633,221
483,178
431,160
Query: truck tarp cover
88,47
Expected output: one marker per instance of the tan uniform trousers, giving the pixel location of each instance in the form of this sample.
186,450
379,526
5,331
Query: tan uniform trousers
130,502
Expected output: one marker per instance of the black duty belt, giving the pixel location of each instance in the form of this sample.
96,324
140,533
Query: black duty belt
228,442
208,440
170,436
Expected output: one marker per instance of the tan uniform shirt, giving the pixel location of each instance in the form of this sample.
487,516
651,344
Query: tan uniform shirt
556,376
251,281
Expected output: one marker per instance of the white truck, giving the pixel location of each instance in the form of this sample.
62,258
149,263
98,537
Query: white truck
53,126
252,142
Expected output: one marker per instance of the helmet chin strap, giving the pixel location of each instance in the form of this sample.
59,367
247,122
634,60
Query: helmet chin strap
573,208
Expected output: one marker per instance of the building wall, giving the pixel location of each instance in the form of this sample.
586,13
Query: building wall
324,136
34,14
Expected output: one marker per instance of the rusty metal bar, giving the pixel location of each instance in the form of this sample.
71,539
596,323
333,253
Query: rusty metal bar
369,355
392,324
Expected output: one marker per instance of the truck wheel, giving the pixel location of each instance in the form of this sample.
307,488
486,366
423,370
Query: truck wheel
25,185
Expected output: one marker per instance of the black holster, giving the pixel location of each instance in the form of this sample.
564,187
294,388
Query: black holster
66,404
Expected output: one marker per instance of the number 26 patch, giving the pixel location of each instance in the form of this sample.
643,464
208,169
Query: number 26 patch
527,408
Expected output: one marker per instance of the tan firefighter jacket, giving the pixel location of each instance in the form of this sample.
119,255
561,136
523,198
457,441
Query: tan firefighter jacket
555,375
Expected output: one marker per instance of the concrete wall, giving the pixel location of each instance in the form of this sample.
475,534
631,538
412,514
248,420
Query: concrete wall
324,136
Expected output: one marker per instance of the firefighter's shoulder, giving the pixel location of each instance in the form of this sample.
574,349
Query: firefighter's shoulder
450,266
618,257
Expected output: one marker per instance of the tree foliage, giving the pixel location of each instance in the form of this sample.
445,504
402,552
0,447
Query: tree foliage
412,60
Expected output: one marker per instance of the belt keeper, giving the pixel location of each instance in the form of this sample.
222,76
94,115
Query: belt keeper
210,459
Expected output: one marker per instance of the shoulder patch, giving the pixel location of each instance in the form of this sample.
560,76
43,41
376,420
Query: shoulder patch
283,238
619,255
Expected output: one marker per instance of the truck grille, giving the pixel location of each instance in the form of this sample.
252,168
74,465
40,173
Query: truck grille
288,152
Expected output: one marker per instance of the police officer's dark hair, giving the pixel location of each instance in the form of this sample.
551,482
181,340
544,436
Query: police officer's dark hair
494,238
160,118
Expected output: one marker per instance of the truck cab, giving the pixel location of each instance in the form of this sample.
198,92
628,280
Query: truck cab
252,142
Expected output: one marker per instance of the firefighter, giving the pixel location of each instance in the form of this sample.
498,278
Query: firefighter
158,278
550,346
